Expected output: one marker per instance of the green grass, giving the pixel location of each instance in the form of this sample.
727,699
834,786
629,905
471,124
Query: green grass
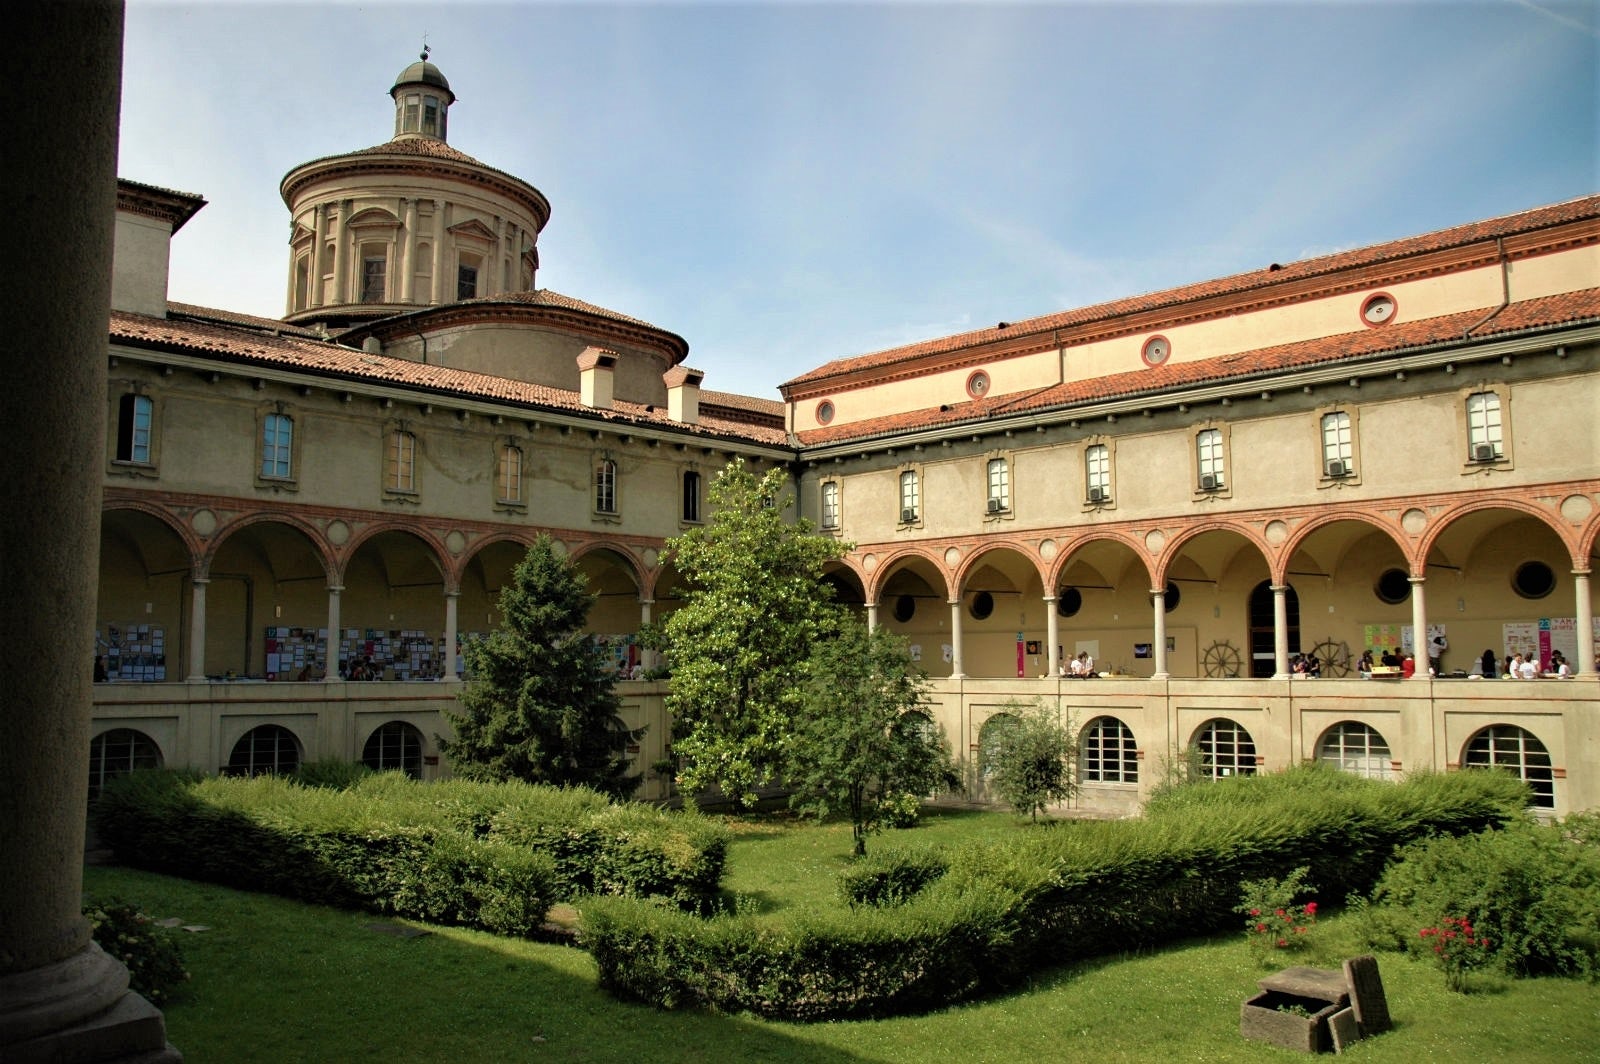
278,981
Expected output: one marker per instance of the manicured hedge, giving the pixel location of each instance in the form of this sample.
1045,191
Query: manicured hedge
321,846
1075,890
488,855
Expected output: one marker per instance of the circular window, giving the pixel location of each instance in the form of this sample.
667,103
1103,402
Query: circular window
905,607
1155,350
978,384
1533,580
1378,309
1393,587
1069,602
1172,596
982,606
824,411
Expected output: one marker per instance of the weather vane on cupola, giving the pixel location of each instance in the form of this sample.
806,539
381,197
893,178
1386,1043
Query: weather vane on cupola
426,48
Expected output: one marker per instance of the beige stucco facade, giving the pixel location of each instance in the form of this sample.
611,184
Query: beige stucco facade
1194,487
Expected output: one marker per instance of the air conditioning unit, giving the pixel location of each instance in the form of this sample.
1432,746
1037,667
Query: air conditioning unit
995,506
1337,468
1097,494
1483,452
908,517
1209,482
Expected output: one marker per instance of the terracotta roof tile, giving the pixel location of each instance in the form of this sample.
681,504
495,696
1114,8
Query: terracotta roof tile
248,321
544,297
321,358
1354,347
1525,221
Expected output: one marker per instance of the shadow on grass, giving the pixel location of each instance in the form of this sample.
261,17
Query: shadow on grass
275,980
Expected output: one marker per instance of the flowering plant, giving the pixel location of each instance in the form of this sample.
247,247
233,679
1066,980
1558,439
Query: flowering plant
1273,921
1458,949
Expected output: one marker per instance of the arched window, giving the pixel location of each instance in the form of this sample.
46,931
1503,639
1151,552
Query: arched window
117,753
265,750
1355,747
1107,753
988,735
394,747
1225,749
1518,751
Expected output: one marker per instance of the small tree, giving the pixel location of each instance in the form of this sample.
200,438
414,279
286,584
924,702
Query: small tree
1030,760
755,605
541,704
856,745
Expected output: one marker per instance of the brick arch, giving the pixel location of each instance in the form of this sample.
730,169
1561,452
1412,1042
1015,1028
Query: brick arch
874,589
191,540
332,564
971,561
1170,551
1065,554
635,564
1371,518
1478,504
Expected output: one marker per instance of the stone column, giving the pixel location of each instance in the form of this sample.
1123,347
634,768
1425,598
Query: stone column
646,656
955,638
197,630
439,289
1419,627
450,599
319,256
498,258
341,254
408,252
1584,666
872,616
331,675
1280,632
61,996
1158,599
1052,636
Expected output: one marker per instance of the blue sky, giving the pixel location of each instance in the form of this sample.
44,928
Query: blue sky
783,184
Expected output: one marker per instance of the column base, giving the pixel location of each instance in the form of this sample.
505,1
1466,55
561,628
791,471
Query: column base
79,1010
131,1031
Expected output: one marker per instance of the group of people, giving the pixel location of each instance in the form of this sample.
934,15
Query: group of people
1080,667
1388,658
1305,667
1528,666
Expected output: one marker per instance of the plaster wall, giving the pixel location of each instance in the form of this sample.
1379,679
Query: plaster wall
139,265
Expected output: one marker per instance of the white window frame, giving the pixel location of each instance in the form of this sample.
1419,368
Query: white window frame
400,461
1486,423
1108,753
997,485
1097,473
606,503
909,484
1338,446
829,515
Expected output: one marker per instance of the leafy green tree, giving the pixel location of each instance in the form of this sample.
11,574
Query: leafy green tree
754,606
858,744
1029,759
541,703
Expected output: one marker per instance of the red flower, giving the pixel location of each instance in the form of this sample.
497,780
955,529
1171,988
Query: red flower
1311,908
1283,942
1261,927
1255,912
1279,912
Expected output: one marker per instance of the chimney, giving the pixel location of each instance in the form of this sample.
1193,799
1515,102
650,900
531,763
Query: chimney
595,369
683,394
147,217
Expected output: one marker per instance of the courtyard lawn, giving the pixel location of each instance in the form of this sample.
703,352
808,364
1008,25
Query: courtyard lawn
278,981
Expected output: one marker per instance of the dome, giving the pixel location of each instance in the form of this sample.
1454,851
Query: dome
422,72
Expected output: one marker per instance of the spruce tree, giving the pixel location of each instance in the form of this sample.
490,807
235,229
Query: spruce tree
540,705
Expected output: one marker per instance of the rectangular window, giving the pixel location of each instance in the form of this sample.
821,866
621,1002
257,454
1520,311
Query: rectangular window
430,115
910,497
605,487
1208,448
413,109
830,504
400,461
1097,472
999,485
373,266
133,428
1338,448
1484,440
277,439
466,280
508,474
691,496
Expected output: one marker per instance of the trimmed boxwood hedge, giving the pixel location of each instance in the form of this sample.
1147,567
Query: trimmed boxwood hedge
487,855
1077,890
